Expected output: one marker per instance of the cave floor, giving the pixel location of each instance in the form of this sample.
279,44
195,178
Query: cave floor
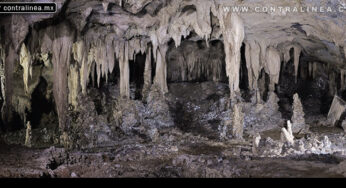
194,158
191,148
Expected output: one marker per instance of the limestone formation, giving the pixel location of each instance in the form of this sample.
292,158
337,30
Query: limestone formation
298,120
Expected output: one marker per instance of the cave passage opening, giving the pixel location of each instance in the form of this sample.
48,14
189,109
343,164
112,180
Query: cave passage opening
42,112
313,86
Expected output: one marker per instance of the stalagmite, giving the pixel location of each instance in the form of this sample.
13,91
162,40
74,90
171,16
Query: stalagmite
297,51
237,122
233,32
28,135
25,61
272,67
287,134
161,68
124,71
147,73
298,120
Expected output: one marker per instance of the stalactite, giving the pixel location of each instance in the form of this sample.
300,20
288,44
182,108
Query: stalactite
25,61
124,71
287,55
252,55
272,66
110,54
62,48
297,51
147,73
73,85
233,32
80,55
161,68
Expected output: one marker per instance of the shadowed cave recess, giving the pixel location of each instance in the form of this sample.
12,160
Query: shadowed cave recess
163,88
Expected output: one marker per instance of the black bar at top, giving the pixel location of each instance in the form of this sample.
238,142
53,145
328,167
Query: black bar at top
21,7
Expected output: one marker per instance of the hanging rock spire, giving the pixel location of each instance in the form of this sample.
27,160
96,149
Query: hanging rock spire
233,32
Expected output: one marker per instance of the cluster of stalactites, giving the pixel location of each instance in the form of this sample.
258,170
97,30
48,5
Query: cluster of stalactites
199,21
258,56
100,56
